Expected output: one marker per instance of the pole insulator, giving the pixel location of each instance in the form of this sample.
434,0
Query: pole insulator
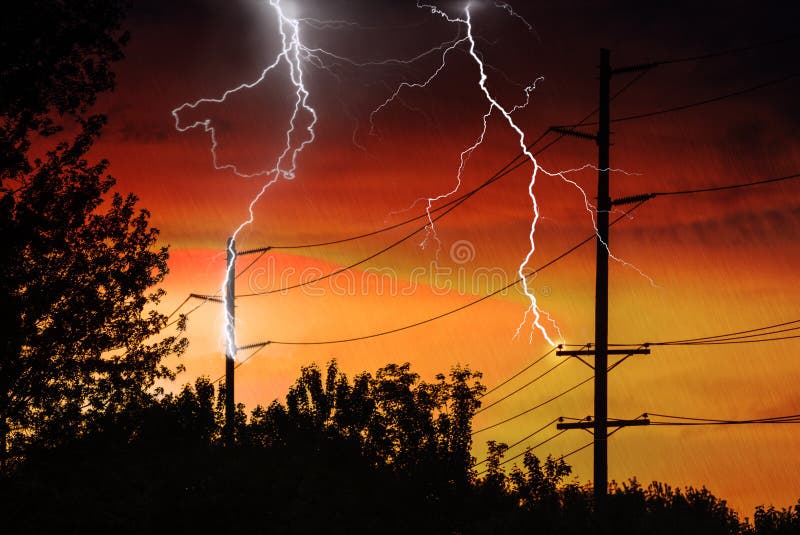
633,199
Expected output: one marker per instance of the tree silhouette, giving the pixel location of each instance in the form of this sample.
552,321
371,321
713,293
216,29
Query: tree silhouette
396,419
310,466
77,274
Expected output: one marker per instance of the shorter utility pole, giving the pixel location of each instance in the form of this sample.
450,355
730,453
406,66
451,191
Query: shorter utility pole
230,335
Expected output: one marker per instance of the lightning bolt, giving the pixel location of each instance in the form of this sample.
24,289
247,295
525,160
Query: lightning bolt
446,48
430,229
285,165
533,310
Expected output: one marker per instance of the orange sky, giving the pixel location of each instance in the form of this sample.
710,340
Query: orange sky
719,262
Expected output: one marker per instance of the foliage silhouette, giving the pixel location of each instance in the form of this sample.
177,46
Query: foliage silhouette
340,456
80,263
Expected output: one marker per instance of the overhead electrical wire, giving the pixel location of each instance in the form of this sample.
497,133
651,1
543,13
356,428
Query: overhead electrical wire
737,333
742,335
727,187
573,452
728,342
523,370
509,167
726,52
462,307
692,421
695,104
523,387
537,406
240,362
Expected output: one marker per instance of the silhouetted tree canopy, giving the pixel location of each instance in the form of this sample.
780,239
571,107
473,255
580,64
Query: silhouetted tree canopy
57,57
340,456
80,263
394,418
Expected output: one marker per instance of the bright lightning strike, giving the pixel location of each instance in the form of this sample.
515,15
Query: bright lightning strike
533,310
285,165
294,54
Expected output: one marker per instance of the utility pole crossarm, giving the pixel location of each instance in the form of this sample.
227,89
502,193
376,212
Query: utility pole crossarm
591,352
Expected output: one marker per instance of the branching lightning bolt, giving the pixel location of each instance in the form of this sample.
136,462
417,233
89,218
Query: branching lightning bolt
533,310
285,165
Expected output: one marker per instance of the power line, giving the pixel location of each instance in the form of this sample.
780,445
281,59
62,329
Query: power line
722,188
531,409
736,333
462,307
422,215
705,101
452,205
509,167
520,441
695,104
179,307
740,337
647,196
523,370
725,52
523,387
692,421
573,452
731,335
727,342
252,263
377,253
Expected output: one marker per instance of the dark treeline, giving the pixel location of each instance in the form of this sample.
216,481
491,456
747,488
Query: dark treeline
383,453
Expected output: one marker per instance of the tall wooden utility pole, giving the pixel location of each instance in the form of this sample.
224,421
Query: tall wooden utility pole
601,287
599,423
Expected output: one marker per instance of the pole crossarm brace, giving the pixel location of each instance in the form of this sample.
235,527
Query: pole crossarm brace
253,346
564,131
206,298
254,251
611,423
